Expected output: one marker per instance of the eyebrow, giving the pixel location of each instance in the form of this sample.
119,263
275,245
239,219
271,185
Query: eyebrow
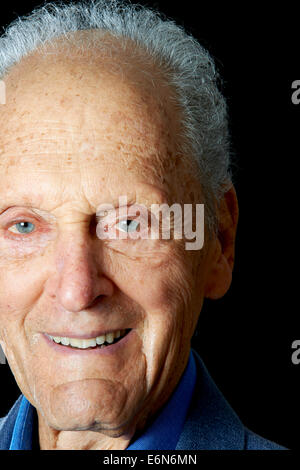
156,196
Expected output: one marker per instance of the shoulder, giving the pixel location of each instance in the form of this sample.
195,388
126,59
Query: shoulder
211,423
7,425
255,442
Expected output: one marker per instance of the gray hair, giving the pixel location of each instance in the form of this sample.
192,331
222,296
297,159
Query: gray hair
187,66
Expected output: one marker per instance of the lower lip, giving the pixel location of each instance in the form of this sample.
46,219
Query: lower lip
106,351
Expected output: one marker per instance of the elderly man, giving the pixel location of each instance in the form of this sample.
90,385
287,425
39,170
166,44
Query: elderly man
106,101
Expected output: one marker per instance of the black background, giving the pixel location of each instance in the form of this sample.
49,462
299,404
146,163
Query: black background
245,338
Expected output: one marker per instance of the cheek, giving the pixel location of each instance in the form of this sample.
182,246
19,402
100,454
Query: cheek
163,290
164,295
18,295
152,282
20,286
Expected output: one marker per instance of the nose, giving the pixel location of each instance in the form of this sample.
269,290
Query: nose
80,277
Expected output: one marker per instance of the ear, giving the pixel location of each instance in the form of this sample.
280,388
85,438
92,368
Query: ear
222,252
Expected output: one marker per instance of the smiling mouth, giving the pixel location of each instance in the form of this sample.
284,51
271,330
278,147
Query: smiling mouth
102,341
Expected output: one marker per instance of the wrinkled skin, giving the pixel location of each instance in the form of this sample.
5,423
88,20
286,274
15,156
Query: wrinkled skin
75,135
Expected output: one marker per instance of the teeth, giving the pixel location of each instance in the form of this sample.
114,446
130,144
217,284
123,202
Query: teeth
76,343
65,341
110,337
89,343
100,339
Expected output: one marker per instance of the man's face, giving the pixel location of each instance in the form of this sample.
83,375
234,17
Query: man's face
73,138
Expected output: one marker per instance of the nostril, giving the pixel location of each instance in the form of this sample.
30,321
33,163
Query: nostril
97,300
93,227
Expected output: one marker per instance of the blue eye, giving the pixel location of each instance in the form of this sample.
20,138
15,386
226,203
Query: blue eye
128,225
24,227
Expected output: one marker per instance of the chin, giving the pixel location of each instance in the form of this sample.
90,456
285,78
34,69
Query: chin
86,423
95,427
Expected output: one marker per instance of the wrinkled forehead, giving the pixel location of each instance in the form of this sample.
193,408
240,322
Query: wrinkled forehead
64,110
79,90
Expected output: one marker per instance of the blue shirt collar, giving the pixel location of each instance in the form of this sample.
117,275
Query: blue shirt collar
162,434
23,428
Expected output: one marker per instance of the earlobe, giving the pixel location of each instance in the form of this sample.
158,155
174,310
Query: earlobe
219,280
222,261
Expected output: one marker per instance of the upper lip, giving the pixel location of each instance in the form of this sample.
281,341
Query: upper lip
90,335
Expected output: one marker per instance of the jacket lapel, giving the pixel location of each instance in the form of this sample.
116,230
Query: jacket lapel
211,423
7,425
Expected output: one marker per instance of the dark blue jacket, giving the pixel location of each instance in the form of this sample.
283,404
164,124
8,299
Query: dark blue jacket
211,424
